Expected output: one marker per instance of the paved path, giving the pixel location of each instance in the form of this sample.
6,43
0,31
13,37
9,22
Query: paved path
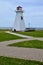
17,52
23,53
24,36
20,35
4,43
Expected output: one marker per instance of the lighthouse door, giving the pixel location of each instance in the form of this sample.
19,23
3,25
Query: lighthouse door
15,30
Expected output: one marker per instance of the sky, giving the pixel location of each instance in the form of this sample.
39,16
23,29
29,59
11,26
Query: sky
33,12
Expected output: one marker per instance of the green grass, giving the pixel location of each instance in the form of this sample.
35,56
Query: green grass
33,33
5,36
29,44
15,61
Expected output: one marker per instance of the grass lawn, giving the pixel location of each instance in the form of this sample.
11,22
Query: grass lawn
29,44
33,33
5,36
15,61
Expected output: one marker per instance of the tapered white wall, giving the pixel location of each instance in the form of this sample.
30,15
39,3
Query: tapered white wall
19,24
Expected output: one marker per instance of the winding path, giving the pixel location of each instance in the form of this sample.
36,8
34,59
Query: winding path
23,53
24,36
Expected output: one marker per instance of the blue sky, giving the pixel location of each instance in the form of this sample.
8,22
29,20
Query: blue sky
33,12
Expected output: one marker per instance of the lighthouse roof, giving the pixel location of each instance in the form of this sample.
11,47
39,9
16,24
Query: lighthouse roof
19,7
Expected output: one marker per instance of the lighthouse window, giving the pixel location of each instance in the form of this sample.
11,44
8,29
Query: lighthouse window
21,18
17,8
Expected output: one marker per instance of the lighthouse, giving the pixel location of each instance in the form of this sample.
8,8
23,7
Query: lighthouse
19,24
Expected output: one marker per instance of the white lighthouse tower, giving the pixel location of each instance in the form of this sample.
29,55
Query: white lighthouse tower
19,24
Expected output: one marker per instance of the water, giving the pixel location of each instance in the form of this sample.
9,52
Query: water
12,27
6,27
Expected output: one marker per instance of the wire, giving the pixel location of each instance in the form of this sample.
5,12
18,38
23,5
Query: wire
20,2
